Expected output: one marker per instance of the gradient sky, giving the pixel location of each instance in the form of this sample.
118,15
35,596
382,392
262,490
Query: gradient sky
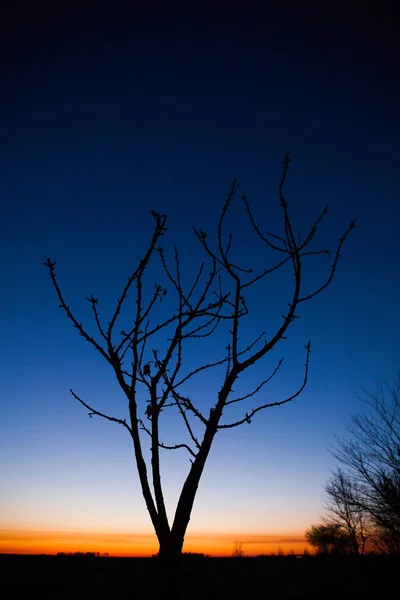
105,116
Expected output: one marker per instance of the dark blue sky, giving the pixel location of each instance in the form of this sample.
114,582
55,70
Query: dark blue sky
104,116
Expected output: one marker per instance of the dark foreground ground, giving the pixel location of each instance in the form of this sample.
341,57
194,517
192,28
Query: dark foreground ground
281,578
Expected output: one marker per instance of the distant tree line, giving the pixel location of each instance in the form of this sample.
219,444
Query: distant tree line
81,554
363,494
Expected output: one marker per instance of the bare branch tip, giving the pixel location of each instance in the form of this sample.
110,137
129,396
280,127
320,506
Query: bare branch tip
50,264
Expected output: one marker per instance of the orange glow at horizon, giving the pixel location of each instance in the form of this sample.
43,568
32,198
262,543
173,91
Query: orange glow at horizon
18,541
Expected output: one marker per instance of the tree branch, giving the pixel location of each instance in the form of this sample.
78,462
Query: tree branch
93,411
247,418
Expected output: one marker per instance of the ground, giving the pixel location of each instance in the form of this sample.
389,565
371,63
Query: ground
281,578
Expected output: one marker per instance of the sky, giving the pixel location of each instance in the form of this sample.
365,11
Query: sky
105,116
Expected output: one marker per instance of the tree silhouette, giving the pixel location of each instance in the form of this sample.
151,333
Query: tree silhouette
328,538
215,300
371,458
344,510
238,551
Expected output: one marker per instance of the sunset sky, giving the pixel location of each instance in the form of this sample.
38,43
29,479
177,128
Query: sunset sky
106,116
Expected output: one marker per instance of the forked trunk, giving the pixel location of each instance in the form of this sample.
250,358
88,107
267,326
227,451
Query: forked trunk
170,549
171,542
169,572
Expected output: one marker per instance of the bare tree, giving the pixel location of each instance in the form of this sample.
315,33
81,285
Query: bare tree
238,551
344,510
372,459
216,299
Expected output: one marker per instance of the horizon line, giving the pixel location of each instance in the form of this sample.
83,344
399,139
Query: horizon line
52,541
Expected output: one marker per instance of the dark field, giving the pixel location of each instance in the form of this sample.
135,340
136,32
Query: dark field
282,578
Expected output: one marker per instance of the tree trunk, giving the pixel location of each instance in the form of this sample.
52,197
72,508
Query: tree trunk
171,544
169,573
170,549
